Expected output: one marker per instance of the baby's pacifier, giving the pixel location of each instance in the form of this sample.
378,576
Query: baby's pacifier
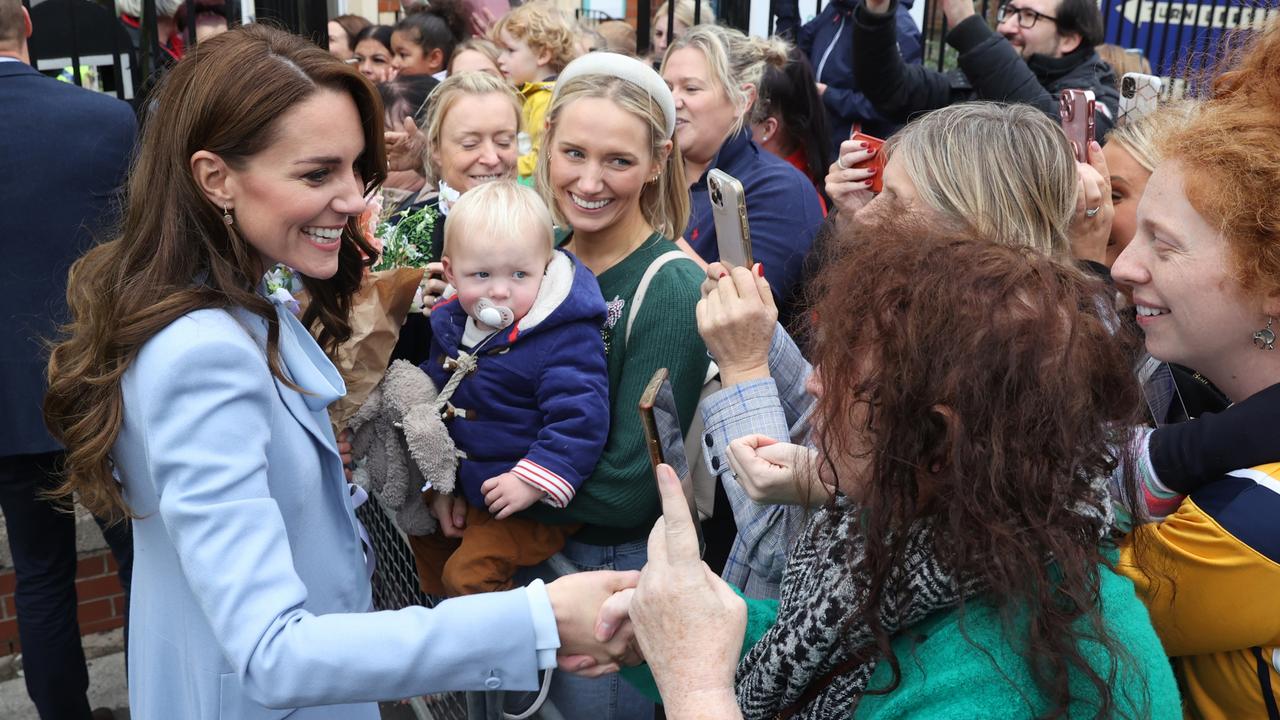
495,316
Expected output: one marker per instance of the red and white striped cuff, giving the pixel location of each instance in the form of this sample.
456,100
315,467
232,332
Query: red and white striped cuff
559,492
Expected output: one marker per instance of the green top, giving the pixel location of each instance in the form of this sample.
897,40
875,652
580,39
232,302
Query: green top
965,668
619,502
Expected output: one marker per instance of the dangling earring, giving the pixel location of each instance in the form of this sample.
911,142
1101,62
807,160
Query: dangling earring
1265,339
226,215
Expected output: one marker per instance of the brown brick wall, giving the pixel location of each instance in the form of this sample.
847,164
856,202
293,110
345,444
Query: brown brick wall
97,589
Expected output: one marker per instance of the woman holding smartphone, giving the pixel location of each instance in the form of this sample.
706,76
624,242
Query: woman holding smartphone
714,74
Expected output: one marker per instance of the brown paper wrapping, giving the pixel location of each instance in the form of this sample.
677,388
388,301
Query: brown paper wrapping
378,311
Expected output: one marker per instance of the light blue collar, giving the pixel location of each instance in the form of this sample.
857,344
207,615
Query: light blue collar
304,362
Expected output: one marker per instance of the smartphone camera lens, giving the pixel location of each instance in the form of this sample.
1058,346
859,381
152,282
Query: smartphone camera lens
717,198
1128,87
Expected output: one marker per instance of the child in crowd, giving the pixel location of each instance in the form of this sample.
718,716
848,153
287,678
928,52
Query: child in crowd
531,413
536,42
424,40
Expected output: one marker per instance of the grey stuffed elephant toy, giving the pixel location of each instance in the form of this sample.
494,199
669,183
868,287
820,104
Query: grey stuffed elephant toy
400,445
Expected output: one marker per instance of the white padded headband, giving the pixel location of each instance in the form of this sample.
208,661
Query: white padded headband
628,68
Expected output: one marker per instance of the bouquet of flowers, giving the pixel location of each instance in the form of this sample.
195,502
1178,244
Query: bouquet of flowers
404,241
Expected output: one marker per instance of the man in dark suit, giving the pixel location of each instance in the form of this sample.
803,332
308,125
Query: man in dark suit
65,152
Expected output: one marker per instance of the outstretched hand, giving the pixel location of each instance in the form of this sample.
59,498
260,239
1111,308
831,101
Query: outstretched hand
689,623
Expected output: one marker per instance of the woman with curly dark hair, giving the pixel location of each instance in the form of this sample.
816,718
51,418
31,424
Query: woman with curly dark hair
970,398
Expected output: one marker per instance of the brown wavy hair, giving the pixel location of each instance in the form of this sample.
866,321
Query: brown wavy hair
173,254
984,386
1230,154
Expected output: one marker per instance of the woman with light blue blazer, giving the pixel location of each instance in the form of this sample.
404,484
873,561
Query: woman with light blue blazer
207,401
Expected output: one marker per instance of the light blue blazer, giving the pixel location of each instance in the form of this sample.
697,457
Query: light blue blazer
250,594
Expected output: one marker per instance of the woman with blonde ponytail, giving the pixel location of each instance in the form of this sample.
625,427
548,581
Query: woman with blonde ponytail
715,74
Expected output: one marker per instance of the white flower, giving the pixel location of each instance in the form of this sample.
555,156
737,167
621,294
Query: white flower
281,296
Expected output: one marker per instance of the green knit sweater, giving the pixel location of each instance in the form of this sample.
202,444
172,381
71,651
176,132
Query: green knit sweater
619,502
956,668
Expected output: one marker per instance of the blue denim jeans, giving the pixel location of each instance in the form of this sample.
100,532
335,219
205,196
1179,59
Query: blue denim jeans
609,697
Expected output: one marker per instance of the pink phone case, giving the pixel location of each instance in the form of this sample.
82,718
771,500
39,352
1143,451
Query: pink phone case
1076,110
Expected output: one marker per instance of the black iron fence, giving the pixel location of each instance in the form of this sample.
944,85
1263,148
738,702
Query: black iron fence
83,41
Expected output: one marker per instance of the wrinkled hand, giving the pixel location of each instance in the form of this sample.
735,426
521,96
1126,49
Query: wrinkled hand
850,189
688,621
577,600
776,473
736,319
1090,235
406,147
507,494
432,286
344,451
450,512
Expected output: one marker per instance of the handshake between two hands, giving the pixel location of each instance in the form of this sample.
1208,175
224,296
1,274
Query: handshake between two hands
676,614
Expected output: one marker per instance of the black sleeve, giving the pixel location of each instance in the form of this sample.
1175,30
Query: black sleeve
787,24
896,89
1189,454
995,69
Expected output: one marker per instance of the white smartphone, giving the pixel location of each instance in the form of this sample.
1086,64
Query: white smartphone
729,210
1139,96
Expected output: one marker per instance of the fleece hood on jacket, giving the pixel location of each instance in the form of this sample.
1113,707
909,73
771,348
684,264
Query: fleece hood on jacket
569,293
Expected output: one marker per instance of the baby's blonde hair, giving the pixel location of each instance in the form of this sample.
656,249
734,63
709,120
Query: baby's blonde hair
498,209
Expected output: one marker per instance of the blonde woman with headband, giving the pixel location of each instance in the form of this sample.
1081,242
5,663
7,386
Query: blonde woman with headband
613,178
715,74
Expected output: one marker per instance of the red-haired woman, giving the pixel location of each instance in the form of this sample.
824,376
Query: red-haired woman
1204,272
962,565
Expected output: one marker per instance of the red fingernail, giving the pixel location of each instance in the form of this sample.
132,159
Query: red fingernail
724,274
760,269
863,145
872,171
872,151
869,183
